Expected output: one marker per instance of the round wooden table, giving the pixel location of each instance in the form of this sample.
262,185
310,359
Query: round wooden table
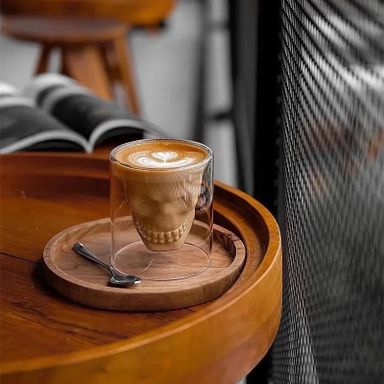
46,338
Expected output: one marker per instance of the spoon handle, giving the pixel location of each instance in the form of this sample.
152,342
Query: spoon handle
82,250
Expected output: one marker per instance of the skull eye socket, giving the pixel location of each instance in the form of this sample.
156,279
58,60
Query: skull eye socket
144,207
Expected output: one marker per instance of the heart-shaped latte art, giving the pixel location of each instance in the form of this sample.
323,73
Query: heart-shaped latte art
164,155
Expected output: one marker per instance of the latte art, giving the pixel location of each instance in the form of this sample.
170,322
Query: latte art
161,155
164,159
164,156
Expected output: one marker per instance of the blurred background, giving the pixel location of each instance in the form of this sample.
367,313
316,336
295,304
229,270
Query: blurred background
168,65
290,95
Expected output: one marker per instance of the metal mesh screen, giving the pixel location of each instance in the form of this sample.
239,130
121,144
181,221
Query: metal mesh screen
332,200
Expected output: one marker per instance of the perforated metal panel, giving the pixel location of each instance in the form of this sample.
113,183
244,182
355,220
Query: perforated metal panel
332,196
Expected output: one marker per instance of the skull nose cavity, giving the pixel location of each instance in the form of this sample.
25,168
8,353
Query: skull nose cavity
162,237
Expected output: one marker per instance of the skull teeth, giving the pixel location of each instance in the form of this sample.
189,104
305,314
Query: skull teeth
158,237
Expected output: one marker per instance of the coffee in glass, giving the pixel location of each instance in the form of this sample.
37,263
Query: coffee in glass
161,208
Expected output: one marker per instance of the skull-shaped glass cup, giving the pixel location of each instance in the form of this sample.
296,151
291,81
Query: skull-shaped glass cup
161,208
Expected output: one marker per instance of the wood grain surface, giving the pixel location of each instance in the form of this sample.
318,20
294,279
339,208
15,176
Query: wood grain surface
46,338
85,283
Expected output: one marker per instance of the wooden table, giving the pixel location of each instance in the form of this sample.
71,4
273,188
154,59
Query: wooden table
46,338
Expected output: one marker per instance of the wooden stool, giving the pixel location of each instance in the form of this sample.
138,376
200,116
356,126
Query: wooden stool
95,53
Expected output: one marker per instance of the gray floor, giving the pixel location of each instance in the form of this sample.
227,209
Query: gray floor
166,69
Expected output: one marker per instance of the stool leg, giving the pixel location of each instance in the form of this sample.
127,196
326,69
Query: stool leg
85,64
124,70
43,60
110,63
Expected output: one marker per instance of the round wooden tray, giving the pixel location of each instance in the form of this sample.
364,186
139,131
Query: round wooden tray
46,338
85,283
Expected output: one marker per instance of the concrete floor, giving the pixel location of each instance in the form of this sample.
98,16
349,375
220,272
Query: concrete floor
166,68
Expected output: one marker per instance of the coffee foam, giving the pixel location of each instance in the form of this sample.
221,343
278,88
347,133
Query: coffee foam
161,155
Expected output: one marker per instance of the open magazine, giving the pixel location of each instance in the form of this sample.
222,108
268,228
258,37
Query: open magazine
55,113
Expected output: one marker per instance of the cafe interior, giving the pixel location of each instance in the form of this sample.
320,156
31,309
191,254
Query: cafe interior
259,260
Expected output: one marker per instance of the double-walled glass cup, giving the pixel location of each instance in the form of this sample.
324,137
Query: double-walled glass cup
161,208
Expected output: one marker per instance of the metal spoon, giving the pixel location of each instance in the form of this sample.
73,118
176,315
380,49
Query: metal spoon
116,278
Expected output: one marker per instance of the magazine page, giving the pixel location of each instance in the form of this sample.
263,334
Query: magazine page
25,127
90,116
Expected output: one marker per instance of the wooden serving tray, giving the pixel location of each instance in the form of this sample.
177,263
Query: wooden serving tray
83,282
